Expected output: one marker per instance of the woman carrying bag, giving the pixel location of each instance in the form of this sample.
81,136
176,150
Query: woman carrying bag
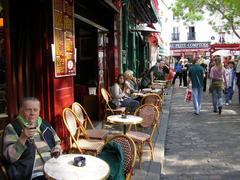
218,78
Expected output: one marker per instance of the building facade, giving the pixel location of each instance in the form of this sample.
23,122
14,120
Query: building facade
195,39
57,50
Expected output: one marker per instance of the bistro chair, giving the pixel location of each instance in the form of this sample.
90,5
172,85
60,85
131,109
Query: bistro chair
86,122
77,142
108,110
154,99
3,172
123,149
150,115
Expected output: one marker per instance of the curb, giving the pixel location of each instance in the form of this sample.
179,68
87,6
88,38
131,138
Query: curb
163,127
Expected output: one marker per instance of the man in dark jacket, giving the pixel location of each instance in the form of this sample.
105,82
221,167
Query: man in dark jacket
196,75
28,142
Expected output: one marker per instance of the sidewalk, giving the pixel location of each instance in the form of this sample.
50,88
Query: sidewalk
151,170
201,147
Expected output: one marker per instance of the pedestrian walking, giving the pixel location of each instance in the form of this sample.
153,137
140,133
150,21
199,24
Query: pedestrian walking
218,78
185,72
230,84
204,65
178,72
196,75
238,77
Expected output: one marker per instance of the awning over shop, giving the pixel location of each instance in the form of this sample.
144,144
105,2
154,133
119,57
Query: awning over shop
142,27
145,11
233,47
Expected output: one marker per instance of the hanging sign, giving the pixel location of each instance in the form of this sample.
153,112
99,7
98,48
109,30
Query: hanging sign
63,50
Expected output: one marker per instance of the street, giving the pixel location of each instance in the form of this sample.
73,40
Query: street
204,146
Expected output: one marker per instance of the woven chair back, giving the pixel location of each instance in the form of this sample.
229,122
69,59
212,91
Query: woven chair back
129,151
149,113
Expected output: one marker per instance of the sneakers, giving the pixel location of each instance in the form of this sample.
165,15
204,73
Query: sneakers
227,104
230,101
219,110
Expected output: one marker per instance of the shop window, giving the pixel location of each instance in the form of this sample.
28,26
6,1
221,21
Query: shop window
191,33
175,34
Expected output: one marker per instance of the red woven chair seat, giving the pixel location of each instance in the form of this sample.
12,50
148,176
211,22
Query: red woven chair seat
97,134
138,136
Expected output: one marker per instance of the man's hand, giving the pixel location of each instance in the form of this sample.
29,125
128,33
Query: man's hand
56,152
27,133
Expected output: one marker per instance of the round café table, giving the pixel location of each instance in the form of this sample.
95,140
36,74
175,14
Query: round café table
63,168
129,119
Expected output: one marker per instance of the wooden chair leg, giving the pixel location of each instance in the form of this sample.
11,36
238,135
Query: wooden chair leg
151,148
140,152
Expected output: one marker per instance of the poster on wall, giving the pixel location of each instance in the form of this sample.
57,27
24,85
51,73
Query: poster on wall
64,45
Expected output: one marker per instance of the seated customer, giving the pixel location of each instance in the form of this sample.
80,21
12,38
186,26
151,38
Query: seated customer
28,142
120,96
155,72
130,82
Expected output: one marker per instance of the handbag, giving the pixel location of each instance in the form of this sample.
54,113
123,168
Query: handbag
112,105
188,95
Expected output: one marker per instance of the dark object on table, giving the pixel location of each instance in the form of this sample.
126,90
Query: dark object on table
124,116
79,161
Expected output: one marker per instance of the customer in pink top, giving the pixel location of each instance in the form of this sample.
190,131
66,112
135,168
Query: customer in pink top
217,75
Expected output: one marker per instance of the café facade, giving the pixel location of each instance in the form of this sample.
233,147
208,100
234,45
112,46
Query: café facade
58,50
189,50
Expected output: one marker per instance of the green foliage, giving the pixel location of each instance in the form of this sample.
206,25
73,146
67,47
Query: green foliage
194,10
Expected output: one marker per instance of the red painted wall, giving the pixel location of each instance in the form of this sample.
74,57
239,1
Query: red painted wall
63,96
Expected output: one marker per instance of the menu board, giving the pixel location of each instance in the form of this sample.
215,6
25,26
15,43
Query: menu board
64,45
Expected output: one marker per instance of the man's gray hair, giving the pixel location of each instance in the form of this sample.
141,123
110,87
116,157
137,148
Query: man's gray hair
29,98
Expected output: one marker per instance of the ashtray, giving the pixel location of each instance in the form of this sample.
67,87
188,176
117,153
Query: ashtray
79,161
124,116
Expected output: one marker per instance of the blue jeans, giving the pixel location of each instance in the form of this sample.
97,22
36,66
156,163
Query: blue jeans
130,104
197,98
229,94
217,99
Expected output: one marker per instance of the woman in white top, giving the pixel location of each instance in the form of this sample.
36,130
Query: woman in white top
120,97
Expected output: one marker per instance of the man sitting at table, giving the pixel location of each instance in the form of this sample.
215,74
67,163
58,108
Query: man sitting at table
28,142
155,72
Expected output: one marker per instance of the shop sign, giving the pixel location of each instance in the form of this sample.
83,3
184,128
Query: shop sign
190,45
63,49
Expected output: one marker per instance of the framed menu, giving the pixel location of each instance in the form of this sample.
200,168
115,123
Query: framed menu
64,44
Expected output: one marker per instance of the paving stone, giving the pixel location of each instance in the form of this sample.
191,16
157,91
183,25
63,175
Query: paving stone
203,147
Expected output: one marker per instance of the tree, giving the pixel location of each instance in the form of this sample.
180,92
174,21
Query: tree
227,10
